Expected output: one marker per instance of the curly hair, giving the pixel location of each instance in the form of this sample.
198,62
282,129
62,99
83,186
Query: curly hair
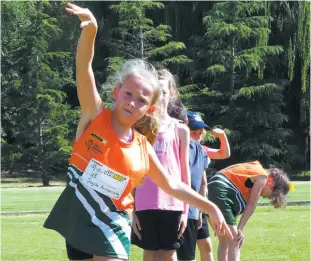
280,188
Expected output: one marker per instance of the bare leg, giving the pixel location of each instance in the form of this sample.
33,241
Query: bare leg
205,246
233,250
168,255
151,255
227,251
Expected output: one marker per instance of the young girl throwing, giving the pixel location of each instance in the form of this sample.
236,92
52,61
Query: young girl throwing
236,190
109,159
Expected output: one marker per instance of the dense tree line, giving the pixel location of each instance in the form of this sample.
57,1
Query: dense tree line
244,65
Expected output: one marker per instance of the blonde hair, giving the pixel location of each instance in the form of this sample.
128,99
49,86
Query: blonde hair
203,135
148,125
164,74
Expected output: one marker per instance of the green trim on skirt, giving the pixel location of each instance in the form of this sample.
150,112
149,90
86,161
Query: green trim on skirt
227,197
89,220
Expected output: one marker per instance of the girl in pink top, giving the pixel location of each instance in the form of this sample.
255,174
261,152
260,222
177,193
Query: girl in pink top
159,218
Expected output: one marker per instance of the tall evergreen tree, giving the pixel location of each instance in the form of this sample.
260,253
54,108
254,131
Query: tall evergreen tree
138,37
291,28
235,94
35,119
237,47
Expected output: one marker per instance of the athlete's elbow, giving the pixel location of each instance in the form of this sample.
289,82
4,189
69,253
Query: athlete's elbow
225,155
171,188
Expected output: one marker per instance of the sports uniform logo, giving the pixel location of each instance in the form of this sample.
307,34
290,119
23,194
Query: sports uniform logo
114,175
97,137
92,147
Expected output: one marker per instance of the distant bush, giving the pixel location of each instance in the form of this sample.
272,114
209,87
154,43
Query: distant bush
301,176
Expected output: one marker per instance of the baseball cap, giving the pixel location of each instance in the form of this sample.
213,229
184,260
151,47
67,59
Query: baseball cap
195,121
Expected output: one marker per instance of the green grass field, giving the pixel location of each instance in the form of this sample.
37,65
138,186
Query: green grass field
270,235
29,199
29,182
36,198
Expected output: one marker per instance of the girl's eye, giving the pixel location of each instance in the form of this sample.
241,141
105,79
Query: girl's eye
128,93
142,100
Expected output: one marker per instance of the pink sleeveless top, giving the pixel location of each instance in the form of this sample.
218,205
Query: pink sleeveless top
149,195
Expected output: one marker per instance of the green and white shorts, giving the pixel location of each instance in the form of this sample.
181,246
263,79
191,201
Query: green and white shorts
226,196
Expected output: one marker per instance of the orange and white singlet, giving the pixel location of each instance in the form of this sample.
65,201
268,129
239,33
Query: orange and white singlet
92,213
240,173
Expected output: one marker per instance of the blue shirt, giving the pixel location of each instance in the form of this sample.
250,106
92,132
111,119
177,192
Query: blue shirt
198,162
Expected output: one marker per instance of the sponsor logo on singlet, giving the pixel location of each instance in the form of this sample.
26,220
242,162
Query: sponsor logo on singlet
97,137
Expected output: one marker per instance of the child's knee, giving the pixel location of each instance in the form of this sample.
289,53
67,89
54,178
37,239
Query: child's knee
205,245
233,246
150,255
209,245
168,255
224,241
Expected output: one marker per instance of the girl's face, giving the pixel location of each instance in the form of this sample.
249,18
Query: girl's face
133,100
165,95
196,134
267,190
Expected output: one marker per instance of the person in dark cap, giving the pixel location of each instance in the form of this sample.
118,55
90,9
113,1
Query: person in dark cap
195,121
197,132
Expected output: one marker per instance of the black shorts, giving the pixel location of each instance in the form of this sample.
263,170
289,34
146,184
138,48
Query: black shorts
75,254
203,232
159,230
188,241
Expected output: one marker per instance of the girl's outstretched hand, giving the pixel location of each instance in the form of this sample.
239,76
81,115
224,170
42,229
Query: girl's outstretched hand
85,15
219,224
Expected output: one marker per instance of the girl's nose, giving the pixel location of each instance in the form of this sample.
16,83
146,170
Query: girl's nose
131,103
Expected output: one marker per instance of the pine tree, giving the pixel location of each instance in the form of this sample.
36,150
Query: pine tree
291,28
138,37
35,119
234,93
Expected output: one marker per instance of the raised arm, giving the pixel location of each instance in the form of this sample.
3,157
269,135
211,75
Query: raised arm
90,101
183,192
224,151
